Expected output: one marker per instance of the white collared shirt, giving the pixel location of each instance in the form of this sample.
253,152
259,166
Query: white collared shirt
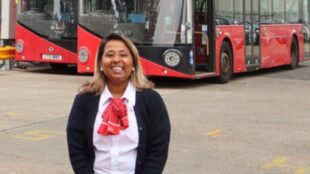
116,154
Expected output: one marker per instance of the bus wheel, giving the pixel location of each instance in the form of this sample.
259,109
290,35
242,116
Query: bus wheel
226,69
58,66
294,55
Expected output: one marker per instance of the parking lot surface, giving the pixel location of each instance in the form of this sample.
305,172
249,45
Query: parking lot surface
258,123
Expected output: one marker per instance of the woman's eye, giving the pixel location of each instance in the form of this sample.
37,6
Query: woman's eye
124,55
109,55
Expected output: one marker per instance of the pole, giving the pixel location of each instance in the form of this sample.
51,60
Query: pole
7,35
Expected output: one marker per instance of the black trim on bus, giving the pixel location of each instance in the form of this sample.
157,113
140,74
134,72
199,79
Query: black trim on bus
156,54
212,35
64,42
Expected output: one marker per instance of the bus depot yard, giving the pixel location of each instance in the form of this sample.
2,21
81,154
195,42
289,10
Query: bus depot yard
257,123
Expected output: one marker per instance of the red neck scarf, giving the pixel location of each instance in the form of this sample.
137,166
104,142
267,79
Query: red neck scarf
114,118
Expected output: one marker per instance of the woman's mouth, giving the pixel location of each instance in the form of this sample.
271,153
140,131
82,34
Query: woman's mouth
117,69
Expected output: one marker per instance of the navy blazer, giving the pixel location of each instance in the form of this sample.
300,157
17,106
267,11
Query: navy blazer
154,132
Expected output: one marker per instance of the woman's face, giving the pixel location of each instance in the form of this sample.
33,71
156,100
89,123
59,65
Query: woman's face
117,62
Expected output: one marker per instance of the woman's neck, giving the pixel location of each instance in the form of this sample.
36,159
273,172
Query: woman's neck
117,89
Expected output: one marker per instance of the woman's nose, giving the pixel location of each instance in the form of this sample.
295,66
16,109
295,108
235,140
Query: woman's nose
116,58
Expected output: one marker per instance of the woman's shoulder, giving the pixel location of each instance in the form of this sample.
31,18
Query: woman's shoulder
148,92
150,96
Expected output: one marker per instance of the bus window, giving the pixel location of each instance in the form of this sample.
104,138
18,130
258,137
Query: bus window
50,18
103,6
37,4
200,12
292,11
160,21
65,17
266,12
238,12
225,10
117,9
278,11
123,7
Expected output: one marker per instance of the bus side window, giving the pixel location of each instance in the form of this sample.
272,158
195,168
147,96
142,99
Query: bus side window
124,7
37,4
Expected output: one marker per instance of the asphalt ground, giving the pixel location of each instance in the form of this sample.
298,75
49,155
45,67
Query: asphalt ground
258,123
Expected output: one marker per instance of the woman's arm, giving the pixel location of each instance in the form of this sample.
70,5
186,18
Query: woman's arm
158,135
77,140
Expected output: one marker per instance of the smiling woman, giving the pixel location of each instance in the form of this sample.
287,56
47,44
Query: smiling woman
117,63
117,49
117,123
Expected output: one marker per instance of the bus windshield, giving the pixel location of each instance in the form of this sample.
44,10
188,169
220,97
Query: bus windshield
49,18
144,21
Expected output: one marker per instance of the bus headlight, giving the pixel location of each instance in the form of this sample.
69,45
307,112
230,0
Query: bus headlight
172,57
19,46
83,55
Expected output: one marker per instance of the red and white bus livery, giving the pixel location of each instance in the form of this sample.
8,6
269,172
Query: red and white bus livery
46,31
199,38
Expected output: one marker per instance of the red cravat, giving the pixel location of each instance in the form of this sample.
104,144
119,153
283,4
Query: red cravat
114,118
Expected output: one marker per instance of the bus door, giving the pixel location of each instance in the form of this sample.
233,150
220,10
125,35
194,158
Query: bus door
252,35
202,41
306,27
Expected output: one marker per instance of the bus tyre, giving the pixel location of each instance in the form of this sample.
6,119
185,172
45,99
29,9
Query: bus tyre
58,66
294,55
226,64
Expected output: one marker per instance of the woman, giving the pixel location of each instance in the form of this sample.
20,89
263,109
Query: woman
117,123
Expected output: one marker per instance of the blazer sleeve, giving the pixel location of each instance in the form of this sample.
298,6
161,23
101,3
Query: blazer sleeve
76,138
158,135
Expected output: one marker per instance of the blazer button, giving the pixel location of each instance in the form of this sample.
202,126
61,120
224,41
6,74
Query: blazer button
140,128
139,162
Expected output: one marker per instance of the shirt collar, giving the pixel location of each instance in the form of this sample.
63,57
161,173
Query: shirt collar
105,95
129,94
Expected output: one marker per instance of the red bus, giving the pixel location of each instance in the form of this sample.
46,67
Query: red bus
199,38
46,31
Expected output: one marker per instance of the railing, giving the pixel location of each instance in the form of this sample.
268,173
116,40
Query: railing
7,55
206,38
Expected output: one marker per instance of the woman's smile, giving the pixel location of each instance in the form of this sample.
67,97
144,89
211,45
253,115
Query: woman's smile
117,68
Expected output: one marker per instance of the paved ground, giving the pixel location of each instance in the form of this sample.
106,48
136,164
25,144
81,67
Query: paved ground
258,123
